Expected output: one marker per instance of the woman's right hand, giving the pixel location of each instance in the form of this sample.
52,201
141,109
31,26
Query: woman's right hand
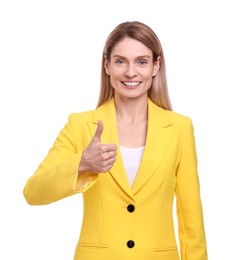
98,157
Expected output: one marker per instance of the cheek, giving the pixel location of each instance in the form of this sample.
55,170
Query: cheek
149,76
113,82
115,73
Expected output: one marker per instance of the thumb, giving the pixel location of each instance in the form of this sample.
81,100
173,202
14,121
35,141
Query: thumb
98,133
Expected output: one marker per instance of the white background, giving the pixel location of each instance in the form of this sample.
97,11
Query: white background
50,55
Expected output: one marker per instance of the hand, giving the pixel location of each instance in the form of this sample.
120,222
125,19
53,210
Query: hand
98,157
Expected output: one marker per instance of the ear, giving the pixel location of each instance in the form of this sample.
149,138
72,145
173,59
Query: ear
156,66
106,65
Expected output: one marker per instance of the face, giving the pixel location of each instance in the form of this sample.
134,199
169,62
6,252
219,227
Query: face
131,68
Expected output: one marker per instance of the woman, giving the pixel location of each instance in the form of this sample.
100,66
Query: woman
129,157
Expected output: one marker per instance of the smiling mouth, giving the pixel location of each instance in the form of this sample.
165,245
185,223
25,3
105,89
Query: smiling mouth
131,84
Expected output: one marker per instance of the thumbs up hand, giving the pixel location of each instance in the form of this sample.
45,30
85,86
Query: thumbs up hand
98,157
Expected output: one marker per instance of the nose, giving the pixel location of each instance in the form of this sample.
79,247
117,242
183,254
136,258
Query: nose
130,71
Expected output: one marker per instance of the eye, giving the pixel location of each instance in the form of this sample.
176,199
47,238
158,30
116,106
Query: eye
119,62
143,62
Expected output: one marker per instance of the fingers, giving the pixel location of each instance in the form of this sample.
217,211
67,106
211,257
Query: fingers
107,164
98,133
109,148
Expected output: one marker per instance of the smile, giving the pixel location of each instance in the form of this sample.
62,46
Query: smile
131,83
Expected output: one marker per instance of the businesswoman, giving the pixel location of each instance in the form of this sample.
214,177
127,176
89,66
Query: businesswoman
128,157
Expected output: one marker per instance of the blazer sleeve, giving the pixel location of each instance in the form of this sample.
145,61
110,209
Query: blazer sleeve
189,207
57,175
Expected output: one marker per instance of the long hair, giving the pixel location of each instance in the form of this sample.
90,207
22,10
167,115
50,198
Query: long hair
158,92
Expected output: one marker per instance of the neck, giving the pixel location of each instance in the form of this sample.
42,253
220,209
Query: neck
131,111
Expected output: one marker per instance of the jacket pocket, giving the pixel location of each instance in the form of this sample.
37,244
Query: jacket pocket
165,253
168,251
85,251
92,246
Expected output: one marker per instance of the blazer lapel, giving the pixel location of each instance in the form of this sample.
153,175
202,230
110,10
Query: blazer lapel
106,113
159,135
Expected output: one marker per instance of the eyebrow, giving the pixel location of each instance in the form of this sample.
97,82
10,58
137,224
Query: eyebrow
139,57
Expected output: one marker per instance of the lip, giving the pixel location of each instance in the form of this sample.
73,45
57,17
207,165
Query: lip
131,84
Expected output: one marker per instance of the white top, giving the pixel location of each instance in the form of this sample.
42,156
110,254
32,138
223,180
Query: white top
131,159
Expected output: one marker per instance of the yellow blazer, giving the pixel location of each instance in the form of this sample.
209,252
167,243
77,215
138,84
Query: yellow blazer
122,222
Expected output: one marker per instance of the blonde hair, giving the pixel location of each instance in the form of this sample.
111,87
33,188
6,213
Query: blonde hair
158,92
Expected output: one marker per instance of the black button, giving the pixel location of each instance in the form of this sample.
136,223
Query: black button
130,244
130,208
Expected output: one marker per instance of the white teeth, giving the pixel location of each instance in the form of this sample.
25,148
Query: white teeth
131,83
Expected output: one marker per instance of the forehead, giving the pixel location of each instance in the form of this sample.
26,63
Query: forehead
129,47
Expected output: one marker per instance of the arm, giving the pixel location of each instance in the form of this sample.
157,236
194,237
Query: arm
58,175
189,208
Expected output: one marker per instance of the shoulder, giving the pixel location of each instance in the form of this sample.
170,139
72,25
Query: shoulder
168,117
179,118
88,115
182,124
81,116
